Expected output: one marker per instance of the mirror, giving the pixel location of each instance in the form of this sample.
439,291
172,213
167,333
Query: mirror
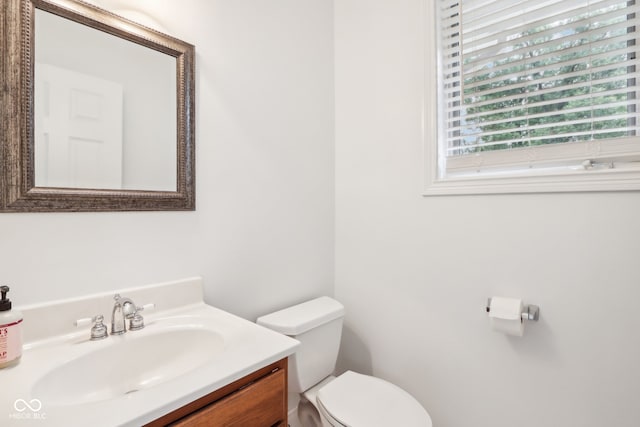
97,111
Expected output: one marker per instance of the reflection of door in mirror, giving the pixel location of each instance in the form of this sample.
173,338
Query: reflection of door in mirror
78,130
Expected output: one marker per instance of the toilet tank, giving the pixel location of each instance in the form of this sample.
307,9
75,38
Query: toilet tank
317,324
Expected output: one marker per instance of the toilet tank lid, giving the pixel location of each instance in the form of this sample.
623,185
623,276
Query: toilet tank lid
300,318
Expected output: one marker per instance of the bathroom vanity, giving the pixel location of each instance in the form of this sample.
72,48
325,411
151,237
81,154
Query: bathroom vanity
191,364
257,400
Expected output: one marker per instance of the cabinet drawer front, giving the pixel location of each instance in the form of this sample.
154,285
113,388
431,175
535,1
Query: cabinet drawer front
260,404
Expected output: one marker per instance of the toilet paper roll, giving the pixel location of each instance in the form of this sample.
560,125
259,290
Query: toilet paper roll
505,315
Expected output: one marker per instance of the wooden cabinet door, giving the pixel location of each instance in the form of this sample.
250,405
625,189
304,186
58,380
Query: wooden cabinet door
260,404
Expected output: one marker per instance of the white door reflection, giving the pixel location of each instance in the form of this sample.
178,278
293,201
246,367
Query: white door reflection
78,131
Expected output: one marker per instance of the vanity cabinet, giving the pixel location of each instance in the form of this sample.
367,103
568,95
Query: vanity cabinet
256,400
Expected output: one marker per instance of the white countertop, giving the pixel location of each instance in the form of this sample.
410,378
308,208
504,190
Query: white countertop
246,347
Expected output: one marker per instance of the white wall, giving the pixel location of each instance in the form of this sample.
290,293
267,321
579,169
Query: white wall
415,273
262,234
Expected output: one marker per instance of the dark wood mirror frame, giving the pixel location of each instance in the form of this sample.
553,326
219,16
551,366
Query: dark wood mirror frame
18,192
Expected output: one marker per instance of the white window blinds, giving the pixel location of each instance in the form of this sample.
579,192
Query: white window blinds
527,82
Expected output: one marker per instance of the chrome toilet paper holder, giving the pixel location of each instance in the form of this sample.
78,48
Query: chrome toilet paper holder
529,312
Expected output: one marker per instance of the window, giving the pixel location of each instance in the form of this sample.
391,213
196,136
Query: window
537,95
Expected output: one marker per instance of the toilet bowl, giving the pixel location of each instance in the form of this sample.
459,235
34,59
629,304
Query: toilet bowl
355,400
350,399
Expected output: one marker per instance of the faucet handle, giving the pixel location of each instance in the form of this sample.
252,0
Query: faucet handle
149,306
85,321
98,331
129,308
137,321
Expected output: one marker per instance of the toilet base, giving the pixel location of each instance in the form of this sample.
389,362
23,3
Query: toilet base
308,415
308,412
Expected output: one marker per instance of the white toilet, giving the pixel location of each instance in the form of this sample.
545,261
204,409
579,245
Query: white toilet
351,399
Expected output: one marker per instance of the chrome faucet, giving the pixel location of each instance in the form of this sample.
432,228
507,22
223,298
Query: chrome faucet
123,309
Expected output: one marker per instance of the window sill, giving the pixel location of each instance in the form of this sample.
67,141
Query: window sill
627,179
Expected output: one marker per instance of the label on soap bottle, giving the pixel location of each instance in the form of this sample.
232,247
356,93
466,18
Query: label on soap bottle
10,341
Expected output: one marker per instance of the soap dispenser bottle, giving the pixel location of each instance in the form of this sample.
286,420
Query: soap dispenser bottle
10,331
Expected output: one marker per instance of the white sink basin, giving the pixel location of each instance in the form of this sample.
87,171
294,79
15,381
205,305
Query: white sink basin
133,363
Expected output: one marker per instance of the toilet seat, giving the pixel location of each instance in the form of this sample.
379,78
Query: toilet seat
356,400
